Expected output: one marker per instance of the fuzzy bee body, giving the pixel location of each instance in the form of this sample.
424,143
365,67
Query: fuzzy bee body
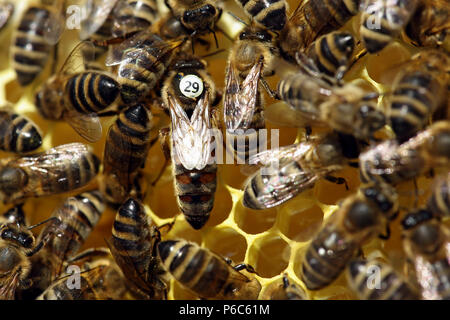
269,14
439,201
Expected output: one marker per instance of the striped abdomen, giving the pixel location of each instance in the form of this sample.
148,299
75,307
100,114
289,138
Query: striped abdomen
31,50
417,95
135,15
332,51
270,14
200,270
195,191
325,260
142,67
439,201
89,92
383,20
18,133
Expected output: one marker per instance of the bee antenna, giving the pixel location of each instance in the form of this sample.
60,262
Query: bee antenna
213,53
215,37
238,19
42,222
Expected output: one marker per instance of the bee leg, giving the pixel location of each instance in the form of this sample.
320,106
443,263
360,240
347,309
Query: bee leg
245,266
308,132
387,235
215,37
273,94
285,281
353,164
164,141
337,180
166,2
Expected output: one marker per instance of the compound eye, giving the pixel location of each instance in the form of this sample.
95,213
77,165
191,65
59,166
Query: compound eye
191,86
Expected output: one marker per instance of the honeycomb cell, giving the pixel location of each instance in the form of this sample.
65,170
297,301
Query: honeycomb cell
300,220
222,206
328,192
254,221
182,230
336,292
162,200
227,243
269,255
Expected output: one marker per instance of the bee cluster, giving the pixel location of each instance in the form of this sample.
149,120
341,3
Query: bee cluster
352,201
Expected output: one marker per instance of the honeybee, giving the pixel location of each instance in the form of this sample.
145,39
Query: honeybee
39,30
100,279
77,96
205,273
283,290
297,168
383,20
419,90
133,245
312,19
426,243
188,93
271,15
197,16
347,109
392,285
359,218
392,162
430,25
439,201
73,223
57,170
6,11
18,133
126,148
251,58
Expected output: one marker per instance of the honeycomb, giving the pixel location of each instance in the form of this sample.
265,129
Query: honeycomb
273,241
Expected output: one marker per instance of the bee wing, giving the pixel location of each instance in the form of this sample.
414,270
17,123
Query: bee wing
75,61
427,279
6,10
127,23
240,100
282,114
293,151
381,159
54,27
87,126
298,19
98,12
9,286
191,138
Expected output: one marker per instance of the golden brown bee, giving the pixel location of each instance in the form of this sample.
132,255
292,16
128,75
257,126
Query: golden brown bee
347,109
290,170
383,20
188,93
312,19
18,133
77,97
268,14
60,169
426,243
39,29
73,223
251,58
169,27
392,162
419,90
439,201
283,290
133,245
197,16
362,276
99,279
6,11
205,273
430,25
359,218
126,148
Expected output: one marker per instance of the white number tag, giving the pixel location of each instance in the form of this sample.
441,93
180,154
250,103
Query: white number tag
191,86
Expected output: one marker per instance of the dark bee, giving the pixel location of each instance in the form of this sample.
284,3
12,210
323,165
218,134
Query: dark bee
283,290
419,91
298,168
347,109
60,169
426,243
188,93
100,279
268,14
383,20
205,273
18,133
359,218
430,25
251,58
133,245
126,148
77,97
6,11
439,201
39,30
197,16
73,223
392,286
312,19
392,162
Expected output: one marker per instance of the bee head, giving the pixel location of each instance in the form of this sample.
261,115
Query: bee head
361,216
